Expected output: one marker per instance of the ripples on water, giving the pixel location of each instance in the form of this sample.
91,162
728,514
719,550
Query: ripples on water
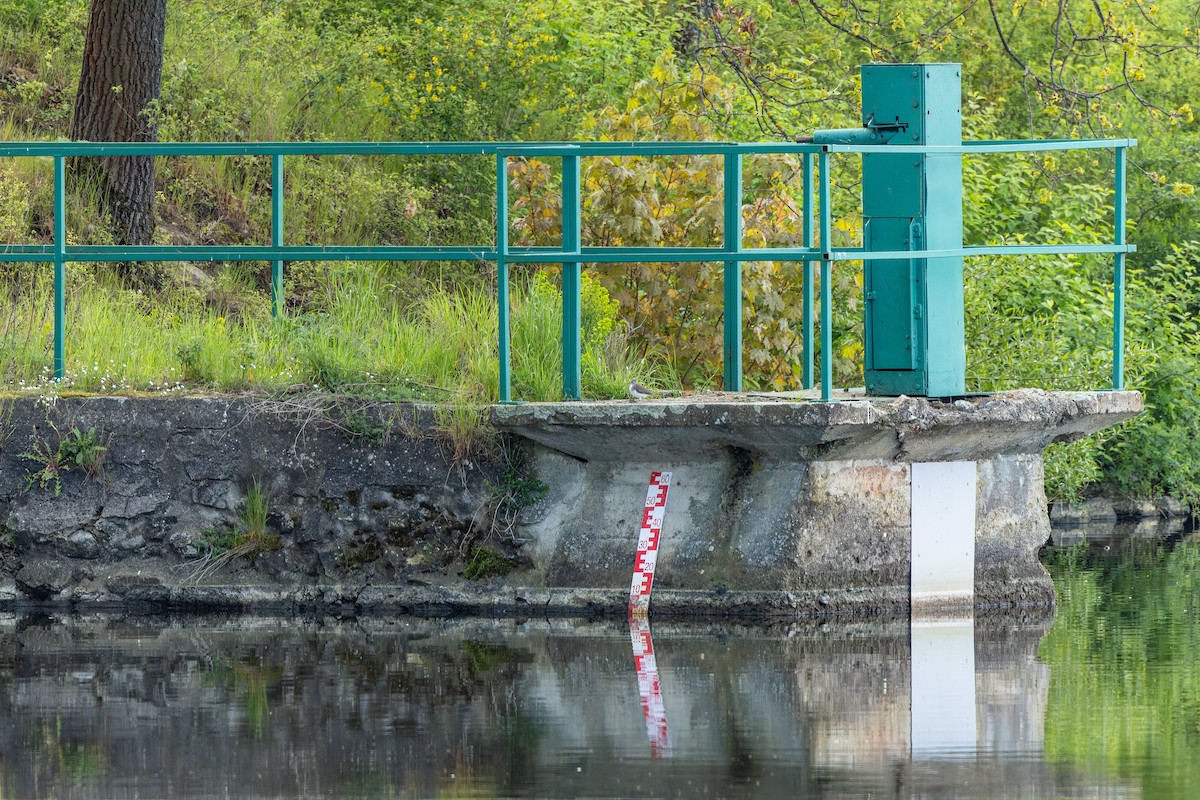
1103,703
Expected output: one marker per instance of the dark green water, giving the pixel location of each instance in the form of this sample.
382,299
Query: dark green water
1102,702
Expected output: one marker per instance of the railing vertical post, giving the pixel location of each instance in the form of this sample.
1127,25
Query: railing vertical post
826,280
1119,273
733,273
807,374
502,321
60,268
572,279
277,233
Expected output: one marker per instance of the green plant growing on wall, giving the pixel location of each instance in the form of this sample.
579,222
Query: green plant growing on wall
78,449
519,488
357,423
462,428
250,540
487,563
253,516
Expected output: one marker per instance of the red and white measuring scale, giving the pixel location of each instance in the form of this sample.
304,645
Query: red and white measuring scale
648,538
653,710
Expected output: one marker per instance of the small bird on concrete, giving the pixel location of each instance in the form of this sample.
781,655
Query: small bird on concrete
639,392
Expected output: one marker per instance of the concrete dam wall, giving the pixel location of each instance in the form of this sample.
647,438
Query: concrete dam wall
777,507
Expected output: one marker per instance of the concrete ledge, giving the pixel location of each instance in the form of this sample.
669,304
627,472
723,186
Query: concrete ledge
496,601
783,429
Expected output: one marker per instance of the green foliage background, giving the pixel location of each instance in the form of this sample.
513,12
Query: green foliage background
626,69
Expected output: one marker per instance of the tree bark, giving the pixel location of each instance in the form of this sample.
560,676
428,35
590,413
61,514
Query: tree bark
120,78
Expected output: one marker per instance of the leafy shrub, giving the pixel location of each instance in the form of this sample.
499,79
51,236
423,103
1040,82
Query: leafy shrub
14,209
675,313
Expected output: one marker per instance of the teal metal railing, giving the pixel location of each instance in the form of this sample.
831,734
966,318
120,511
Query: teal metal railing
572,254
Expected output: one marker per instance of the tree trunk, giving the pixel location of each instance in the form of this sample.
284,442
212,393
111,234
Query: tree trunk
120,78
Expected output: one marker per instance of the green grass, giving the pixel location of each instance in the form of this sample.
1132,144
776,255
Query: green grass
359,334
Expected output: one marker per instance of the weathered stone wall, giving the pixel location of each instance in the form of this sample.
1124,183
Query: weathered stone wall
359,498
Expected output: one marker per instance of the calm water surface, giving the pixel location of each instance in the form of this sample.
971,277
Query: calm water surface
1102,702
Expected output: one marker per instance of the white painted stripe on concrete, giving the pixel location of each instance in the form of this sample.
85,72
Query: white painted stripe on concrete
943,532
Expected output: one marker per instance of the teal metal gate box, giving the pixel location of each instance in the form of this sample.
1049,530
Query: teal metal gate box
914,333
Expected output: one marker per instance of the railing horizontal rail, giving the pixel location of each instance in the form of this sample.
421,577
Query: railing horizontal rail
524,255
971,148
975,251
516,149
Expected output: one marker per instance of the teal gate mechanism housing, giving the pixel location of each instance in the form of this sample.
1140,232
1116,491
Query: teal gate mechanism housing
914,334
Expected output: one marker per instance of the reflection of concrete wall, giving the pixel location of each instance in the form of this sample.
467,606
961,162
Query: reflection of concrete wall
1011,686
259,708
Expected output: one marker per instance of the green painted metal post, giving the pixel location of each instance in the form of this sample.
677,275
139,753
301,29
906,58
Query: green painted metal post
826,282
503,322
733,273
572,280
277,233
60,269
1119,272
807,370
